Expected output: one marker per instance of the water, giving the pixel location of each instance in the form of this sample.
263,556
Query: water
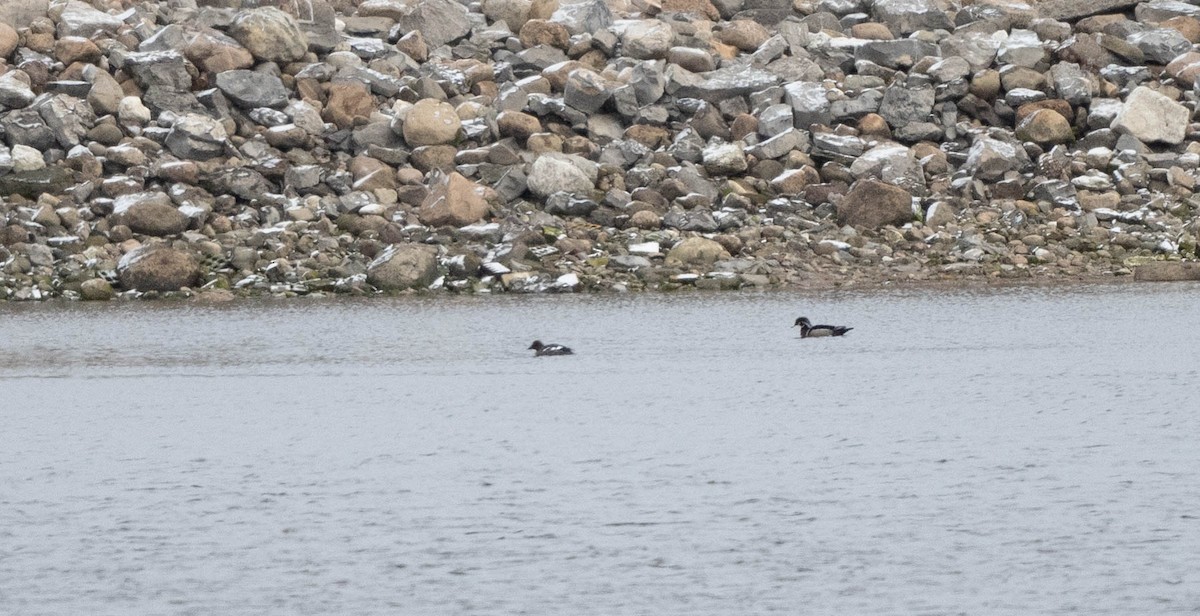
1010,451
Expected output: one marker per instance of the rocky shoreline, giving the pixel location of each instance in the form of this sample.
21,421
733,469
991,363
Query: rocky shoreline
311,147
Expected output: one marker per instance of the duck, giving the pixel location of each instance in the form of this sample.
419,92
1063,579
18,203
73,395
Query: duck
808,330
549,349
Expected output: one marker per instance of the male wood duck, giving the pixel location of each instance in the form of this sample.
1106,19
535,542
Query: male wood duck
549,349
808,330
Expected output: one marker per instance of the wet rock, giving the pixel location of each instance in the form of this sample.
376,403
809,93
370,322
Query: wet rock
1152,117
270,34
403,266
454,200
158,268
872,204
696,252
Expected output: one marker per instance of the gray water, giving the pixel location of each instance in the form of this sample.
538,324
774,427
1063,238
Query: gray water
1014,451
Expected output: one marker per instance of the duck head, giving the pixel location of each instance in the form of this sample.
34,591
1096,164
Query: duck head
536,346
802,322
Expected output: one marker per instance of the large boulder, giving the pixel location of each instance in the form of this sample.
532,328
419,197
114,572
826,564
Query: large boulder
873,204
158,268
270,34
151,213
454,200
696,251
20,13
1152,117
403,266
438,21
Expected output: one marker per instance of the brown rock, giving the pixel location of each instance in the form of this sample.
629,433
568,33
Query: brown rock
692,59
413,44
542,32
431,122
794,181
1186,25
873,125
270,34
72,49
158,268
348,102
9,40
517,124
871,30
430,157
151,213
456,201
96,289
701,8
1185,68
1167,271
986,84
743,34
214,52
645,219
1054,104
873,204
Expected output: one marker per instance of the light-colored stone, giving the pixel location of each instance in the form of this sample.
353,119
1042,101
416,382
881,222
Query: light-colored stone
270,35
158,268
404,266
456,201
872,204
1152,117
696,251
431,122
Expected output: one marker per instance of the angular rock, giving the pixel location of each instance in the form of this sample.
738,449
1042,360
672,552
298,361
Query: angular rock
270,34
1152,117
197,137
456,201
252,89
21,13
583,15
552,174
439,21
873,204
724,159
80,19
718,85
989,159
904,17
696,251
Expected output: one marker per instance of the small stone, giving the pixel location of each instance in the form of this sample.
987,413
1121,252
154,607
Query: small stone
724,159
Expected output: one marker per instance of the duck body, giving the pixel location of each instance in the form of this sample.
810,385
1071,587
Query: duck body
540,349
808,330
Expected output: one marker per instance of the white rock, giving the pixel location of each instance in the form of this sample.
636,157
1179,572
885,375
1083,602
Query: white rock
25,158
1150,117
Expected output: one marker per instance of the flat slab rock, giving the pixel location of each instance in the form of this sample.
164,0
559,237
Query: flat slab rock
1075,9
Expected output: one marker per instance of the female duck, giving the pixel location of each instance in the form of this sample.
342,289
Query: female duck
540,349
808,330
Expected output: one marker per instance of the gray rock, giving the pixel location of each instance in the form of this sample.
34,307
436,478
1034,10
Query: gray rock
586,90
775,119
197,137
15,92
780,144
688,146
897,54
698,220
628,263
33,184
583,16
1152,117
1021,48
904,17
724,159
1074,9
151,213
157,267
252,89
164,77
904,104
856,107
891,163
80,19
1158,11
439,21
696,251
989,159
839,148
403,266
567,204
1071,83
810,103
647,39
552,174
67,117
978,51
718,85
1160,45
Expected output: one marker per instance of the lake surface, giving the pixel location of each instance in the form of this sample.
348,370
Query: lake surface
991,451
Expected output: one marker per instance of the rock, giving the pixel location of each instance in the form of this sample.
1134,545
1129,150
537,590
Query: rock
82,20
350,102
431,122
1167,271
516,12
9,39
1152,117
647,40
1045,127
68,118
517,124
1074,9
456,201
403,266
1183,69
903,104
724,159
197,137
25,158
542,32
552,174
586,90
21,13
96,290
439,21
33,184
157,267
215,52
696,251
1160,45
151,213
744,34
873,204
270,34
583,16
810,103
989,159
15,91
907,16
251,89
719,85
